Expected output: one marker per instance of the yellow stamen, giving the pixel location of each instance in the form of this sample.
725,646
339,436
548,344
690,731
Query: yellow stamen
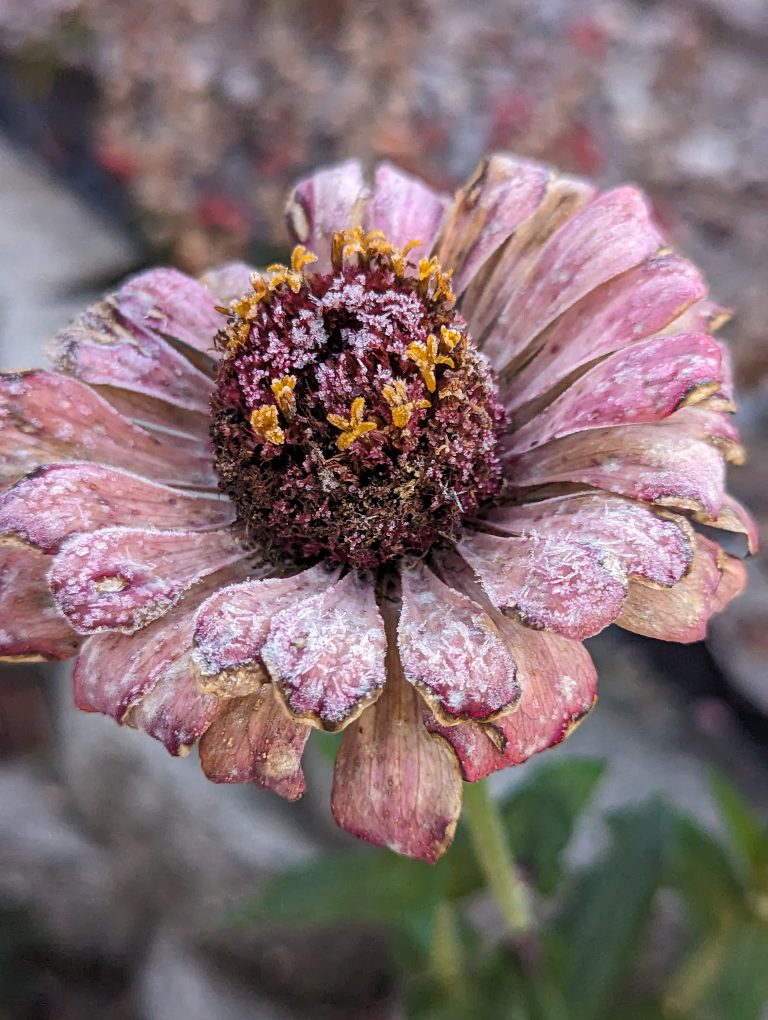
402,408
354,426
449,337
431,276
426,357
282,390
400,258
264,422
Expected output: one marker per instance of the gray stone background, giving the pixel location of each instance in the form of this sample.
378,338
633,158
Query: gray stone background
129,858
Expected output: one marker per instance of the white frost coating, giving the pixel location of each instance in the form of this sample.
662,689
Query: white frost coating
571,588
655,548
62,499
448,644
232,625
157,567
327,653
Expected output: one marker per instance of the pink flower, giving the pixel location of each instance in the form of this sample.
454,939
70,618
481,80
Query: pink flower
447,463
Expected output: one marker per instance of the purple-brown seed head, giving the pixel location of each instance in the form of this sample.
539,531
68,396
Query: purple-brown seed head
353,417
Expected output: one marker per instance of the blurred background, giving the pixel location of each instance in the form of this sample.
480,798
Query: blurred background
134,132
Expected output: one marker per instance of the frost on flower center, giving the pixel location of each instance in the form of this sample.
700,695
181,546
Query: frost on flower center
353,418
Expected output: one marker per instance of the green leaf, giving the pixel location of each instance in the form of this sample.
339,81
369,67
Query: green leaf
702,871
742,991
540,817
361,886
602,921
748,838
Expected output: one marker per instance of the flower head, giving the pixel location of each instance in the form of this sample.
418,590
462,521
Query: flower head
386,489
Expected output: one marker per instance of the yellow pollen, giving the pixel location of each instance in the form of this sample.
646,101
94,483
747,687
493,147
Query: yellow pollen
354,426
426,357
300,257
402,408
449,337
431,276
400,258
282,390
264,422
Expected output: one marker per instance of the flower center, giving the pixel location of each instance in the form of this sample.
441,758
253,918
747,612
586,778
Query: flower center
353,417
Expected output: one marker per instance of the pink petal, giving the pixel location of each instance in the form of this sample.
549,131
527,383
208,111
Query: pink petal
103,348
451,651
326,653
734,517
228,282
59,500
175,711
172,304
557,583
153,413
732,583
643,383
612,234
647,544
405,209
679,613
253,740
331,199
627,308
115,671
655,463
46,417
123,578
715,427
512,265
558,685
31,627
232,627
499,196
394,784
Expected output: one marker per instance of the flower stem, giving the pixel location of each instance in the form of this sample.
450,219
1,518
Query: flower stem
448,963
495,859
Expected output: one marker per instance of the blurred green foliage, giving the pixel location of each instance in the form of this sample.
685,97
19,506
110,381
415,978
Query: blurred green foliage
668,923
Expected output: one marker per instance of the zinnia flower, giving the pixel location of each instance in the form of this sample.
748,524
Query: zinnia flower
386,489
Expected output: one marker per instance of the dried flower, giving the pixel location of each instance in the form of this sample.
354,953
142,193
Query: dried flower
433,469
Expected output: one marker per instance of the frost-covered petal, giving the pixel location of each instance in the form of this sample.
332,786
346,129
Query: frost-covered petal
329,200
654,463
558,685
232,627
254,740
116,673
31,627
451,651
59,500
405,209
712,426
101,347
626,309
46,418
559,583
500,195
394,784
643,383
655,546
679,613
228,282
609,236
326,653
122,578
172,304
